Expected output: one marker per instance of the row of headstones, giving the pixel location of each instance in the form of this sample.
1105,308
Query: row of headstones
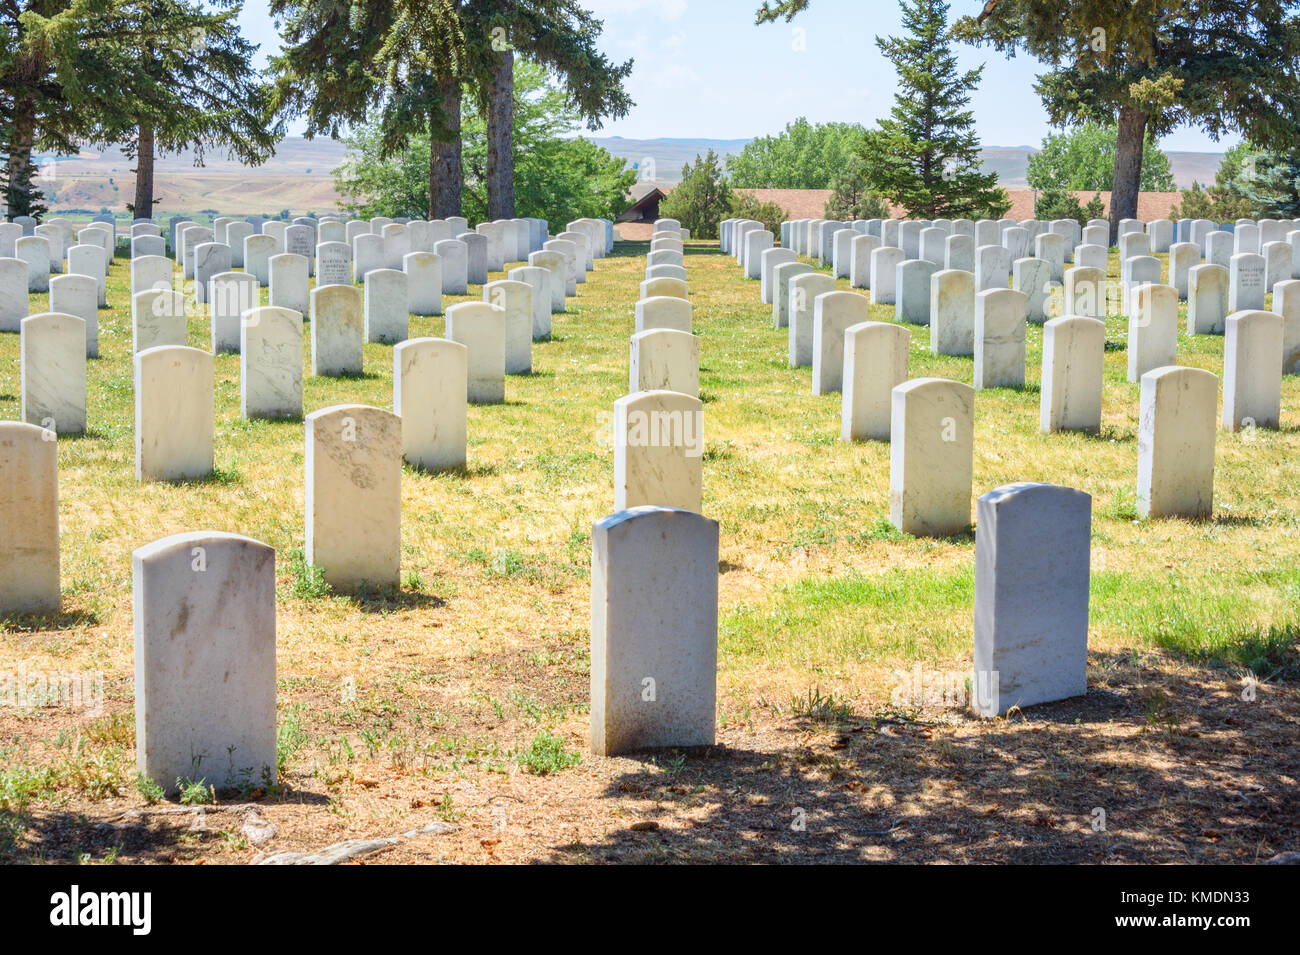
444,263
434,379
868,362
963,316
659,423
343,317
204,608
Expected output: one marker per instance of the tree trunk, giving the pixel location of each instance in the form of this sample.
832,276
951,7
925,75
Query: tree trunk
19,173
500,140
144,174
1128,168
445,172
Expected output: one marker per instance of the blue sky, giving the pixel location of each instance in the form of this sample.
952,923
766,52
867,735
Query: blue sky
703,70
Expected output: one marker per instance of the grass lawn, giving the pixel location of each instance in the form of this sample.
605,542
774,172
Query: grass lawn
463,698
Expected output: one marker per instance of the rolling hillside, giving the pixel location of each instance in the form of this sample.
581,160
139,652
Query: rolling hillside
299,177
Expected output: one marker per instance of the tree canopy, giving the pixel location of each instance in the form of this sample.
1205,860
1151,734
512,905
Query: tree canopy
1152,65
556,176
803,156
1083,159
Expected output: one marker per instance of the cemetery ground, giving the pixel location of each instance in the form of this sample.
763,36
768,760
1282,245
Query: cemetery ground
463,698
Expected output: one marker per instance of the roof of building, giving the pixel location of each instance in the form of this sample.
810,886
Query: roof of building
811,203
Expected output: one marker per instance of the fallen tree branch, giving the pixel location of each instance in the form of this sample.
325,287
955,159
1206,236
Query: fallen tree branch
350,849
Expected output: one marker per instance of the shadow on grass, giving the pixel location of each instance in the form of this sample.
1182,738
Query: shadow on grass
349,376
1272,653
381,601
152,833
59,620
461,473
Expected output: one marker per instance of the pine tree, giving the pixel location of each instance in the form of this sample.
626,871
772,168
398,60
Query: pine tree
702,199
925,157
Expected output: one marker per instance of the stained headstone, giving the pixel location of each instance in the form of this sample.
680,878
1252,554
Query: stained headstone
653,662
1176,442
1074,357
52,368
931,456
658,450
204,608
875,362
1031,539
173,413
354,496
270,363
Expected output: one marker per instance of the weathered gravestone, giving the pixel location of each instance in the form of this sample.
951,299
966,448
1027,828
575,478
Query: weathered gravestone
29,496
481,328
1074,355
157,318
354,496
654,630
875,362
173,414
78,295
658,450
1207,299
912,291
781,276
663,311
884,274
833,314
804,290
931,456
430,384
1031,540
539,280
270,363
289,285
387,312
52,349
1152,329
455,266
515,299
423,282
230,295
1252,370
204,608
952,312
1000,338
337,330
1176,442
664,359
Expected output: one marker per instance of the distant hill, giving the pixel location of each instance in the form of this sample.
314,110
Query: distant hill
299,177
1009,162
1012,162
